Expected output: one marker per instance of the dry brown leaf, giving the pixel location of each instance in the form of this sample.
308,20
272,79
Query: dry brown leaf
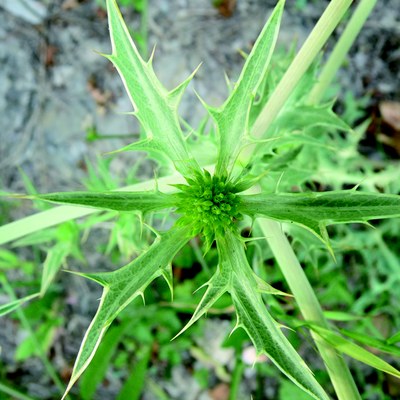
69,4
220,392
225,7
390,112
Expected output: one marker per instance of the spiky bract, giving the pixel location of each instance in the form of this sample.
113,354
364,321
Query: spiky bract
209,204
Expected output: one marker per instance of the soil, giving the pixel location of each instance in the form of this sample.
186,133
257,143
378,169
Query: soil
54,86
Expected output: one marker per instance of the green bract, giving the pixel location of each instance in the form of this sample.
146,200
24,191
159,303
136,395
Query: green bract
265,137
208,204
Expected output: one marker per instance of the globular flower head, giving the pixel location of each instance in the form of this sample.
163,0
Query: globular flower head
209,204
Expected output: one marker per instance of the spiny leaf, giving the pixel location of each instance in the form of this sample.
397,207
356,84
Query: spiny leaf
167,274
155,108
306,117
255,319
280,161
115,201
264,287
121,287
232,118
97,369
57,215
314,211
216,287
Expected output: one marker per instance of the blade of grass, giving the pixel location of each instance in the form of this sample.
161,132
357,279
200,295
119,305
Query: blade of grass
133,386
341,49
310,308
15,394
27,326
283,252
307,54
57,215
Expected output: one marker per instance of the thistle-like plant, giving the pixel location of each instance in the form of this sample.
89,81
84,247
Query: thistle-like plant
267,125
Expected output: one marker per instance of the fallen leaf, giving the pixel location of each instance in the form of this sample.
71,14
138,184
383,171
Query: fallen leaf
390,112
69,4
220,392
225,7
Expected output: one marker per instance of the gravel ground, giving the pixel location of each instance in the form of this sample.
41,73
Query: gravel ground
54,86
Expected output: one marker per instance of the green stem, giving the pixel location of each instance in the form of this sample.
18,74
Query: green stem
15,394
199,257
308,303
310,308
97,136
27,326
236,378
144,29
310,49
57,215
341,49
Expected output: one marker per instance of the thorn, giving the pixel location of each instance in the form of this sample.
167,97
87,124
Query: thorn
141,294
154,230
243,53
354,189
278,183
98,278
150,60
155,173
228,82
214,112
208,283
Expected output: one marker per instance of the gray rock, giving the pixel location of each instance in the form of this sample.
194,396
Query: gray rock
32,11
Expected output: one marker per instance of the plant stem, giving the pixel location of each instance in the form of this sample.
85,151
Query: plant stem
304,58
308,303
341,49
25,323
310,308
236,378
59,214
199,257
144,29
15,394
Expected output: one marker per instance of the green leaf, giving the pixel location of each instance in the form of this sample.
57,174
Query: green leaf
232,118
14,393
52,264
255,319
314,211
121,287
115,201
44,337
216,287
381,345
54,216
288,391
351,349
341,316
280,162
13,305
154,106
8,260
306,117
394,339
133,386
97,369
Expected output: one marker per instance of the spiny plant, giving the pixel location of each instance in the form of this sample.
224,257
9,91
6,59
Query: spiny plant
268,125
